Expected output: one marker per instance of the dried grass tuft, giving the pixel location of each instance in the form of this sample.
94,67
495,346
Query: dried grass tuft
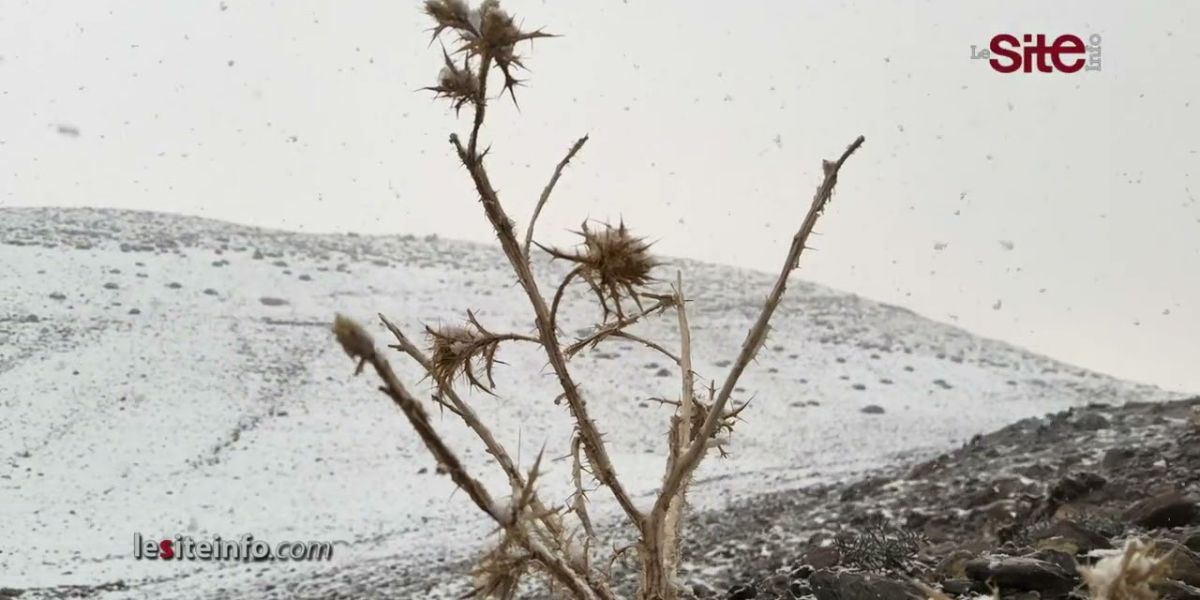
1125,576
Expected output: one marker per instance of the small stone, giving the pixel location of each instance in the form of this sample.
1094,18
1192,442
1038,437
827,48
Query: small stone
269,301
1022,573
111,286
1171,509
134,311
210,292
1091,421
58,296
701,589
1166,589
799,589
1192,540
663,373
872,409
957,587
1075,486
1116,458
744,591
801,572
822,557
828,585
1082,539
1181,564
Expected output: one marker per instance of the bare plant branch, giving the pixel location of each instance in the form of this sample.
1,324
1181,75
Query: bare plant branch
358,344
758,333
562,164
594,447
605,331
472,420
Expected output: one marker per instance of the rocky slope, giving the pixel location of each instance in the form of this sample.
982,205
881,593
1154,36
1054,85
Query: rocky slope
172,375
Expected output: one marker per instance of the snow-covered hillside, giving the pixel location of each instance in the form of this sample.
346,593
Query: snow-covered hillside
172,375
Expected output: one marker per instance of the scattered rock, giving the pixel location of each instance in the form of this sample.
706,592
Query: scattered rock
744,591
958,587
1115,458
111,286
845,585
1171,509
1091,421
58,296
663,373
269,301
1192,540
134,311
210,291
1076,536
701,589
1169,589
1181,564
1075,486
872,409
1022,573
822,557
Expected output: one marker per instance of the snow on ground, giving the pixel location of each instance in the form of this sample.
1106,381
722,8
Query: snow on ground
171,375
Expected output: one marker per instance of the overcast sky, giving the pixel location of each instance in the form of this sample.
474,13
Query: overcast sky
1056,211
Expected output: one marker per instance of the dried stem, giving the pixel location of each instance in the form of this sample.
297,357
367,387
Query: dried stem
758,334
562,164
616,326
471,419
358,344
593,445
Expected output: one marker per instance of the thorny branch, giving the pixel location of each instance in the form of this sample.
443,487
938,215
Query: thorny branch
549,188
758,333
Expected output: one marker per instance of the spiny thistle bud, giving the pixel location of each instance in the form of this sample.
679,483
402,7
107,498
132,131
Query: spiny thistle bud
459,84
455,351
613,262
449,14
486,33
355,341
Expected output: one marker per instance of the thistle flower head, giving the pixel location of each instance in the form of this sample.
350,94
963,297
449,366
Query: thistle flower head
613,261
453,347
486,34
458,84
461,350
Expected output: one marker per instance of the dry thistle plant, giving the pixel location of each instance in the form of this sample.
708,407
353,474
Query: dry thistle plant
559,543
